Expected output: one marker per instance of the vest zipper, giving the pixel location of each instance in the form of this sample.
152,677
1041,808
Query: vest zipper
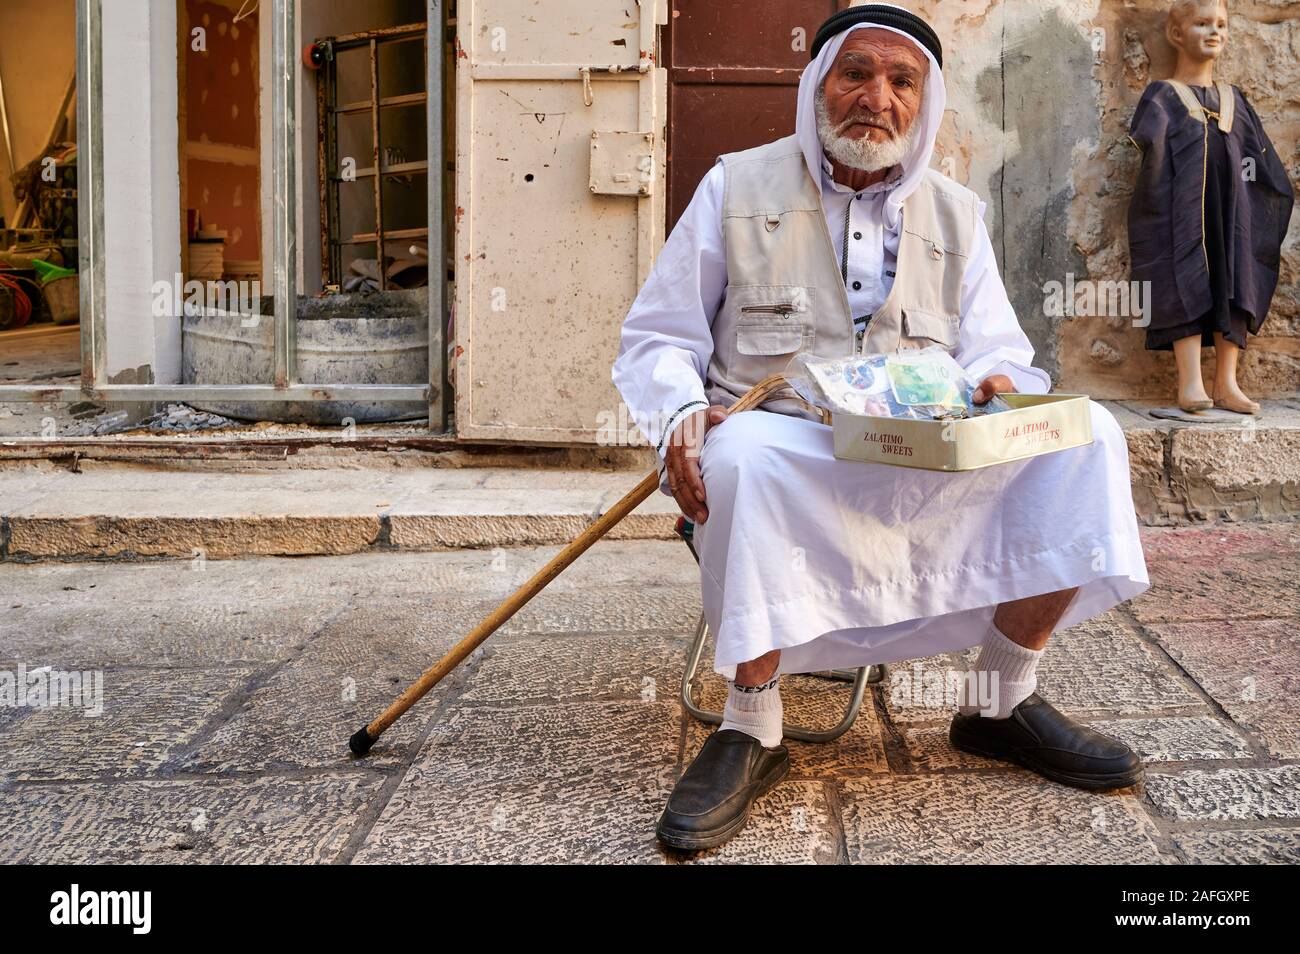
784,309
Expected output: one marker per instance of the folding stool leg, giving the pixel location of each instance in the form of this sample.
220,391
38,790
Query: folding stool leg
800,733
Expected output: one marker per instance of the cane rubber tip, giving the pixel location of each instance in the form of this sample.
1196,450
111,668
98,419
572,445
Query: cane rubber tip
360,742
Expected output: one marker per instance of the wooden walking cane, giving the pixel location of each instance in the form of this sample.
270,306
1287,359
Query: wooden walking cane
368,734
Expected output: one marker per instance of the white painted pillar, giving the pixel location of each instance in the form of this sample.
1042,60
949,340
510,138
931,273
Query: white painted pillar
142,215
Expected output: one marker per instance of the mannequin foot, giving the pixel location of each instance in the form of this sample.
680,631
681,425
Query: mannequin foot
1194,399
1232,399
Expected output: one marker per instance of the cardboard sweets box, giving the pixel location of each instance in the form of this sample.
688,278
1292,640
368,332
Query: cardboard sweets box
1037,424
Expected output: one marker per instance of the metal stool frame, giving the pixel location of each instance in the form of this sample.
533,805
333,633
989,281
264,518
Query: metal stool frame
861,678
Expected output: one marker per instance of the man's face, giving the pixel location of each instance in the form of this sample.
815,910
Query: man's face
1201,31
874,87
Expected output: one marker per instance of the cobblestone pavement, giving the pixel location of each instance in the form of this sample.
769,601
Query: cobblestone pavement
230,689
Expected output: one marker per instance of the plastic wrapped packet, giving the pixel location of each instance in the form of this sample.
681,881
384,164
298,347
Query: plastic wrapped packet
925,384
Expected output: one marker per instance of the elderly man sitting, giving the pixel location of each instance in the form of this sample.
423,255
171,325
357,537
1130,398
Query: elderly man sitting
842,239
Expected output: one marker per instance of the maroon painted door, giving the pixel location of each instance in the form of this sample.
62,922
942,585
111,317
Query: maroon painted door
733,71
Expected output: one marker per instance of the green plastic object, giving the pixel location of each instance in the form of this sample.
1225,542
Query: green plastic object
48,273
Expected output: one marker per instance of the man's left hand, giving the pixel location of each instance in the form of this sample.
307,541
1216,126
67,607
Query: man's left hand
993,384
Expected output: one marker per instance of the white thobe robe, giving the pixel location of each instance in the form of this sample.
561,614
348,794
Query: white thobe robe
845,563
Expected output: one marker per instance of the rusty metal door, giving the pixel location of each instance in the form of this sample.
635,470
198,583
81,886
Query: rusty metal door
560,115
733,72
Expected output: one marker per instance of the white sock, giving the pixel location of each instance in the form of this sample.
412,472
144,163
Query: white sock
755,711
1011,676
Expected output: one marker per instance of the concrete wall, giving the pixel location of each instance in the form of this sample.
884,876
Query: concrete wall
1041,93
142,189
38,55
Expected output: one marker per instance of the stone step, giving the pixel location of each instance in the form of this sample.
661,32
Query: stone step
122,511
228,502
1242,468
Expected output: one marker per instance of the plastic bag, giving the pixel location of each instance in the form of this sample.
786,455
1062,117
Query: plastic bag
925,384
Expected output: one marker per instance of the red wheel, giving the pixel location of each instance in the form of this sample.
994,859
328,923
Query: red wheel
313,57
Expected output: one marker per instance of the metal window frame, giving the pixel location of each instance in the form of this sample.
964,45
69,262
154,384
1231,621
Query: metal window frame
328,112
94,385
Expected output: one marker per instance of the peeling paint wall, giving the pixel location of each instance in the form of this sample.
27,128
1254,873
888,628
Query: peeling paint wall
1041,93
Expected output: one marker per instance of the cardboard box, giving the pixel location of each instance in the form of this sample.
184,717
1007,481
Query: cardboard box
1038,424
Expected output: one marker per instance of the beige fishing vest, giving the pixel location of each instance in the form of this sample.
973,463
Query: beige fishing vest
785,293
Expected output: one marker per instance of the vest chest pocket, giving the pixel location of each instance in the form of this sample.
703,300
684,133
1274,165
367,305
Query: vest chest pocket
773,319
922,329
772,339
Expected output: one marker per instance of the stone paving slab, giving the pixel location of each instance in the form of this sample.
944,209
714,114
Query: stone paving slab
561,738
33,482
149,715
1167,739
609,609
1220,540
560,669
1221,588
1100,665
226,821
1178,739
304,713
1227,794
641,567
1249,668
580,782
1004,818
792,824
914,691
1256,846
168,583
369,653
75,635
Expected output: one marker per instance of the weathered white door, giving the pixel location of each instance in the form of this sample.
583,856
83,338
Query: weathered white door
559,207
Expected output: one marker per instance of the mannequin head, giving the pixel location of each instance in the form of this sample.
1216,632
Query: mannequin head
1198,30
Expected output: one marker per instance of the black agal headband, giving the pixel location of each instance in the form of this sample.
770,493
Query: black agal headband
880,14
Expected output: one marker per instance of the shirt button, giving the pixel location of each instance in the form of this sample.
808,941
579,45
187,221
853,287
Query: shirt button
857,235
857,286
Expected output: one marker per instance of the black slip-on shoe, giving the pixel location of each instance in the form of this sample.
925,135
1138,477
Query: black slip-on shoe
1045,741
712,799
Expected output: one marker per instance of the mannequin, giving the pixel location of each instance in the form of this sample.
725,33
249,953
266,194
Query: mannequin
1209,213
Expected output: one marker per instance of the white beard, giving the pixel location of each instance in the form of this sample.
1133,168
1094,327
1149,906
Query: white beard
863,154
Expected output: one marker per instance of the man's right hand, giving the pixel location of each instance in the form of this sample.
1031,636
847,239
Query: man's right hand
683,461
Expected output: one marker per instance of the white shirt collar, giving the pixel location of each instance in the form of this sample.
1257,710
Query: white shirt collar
888,183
